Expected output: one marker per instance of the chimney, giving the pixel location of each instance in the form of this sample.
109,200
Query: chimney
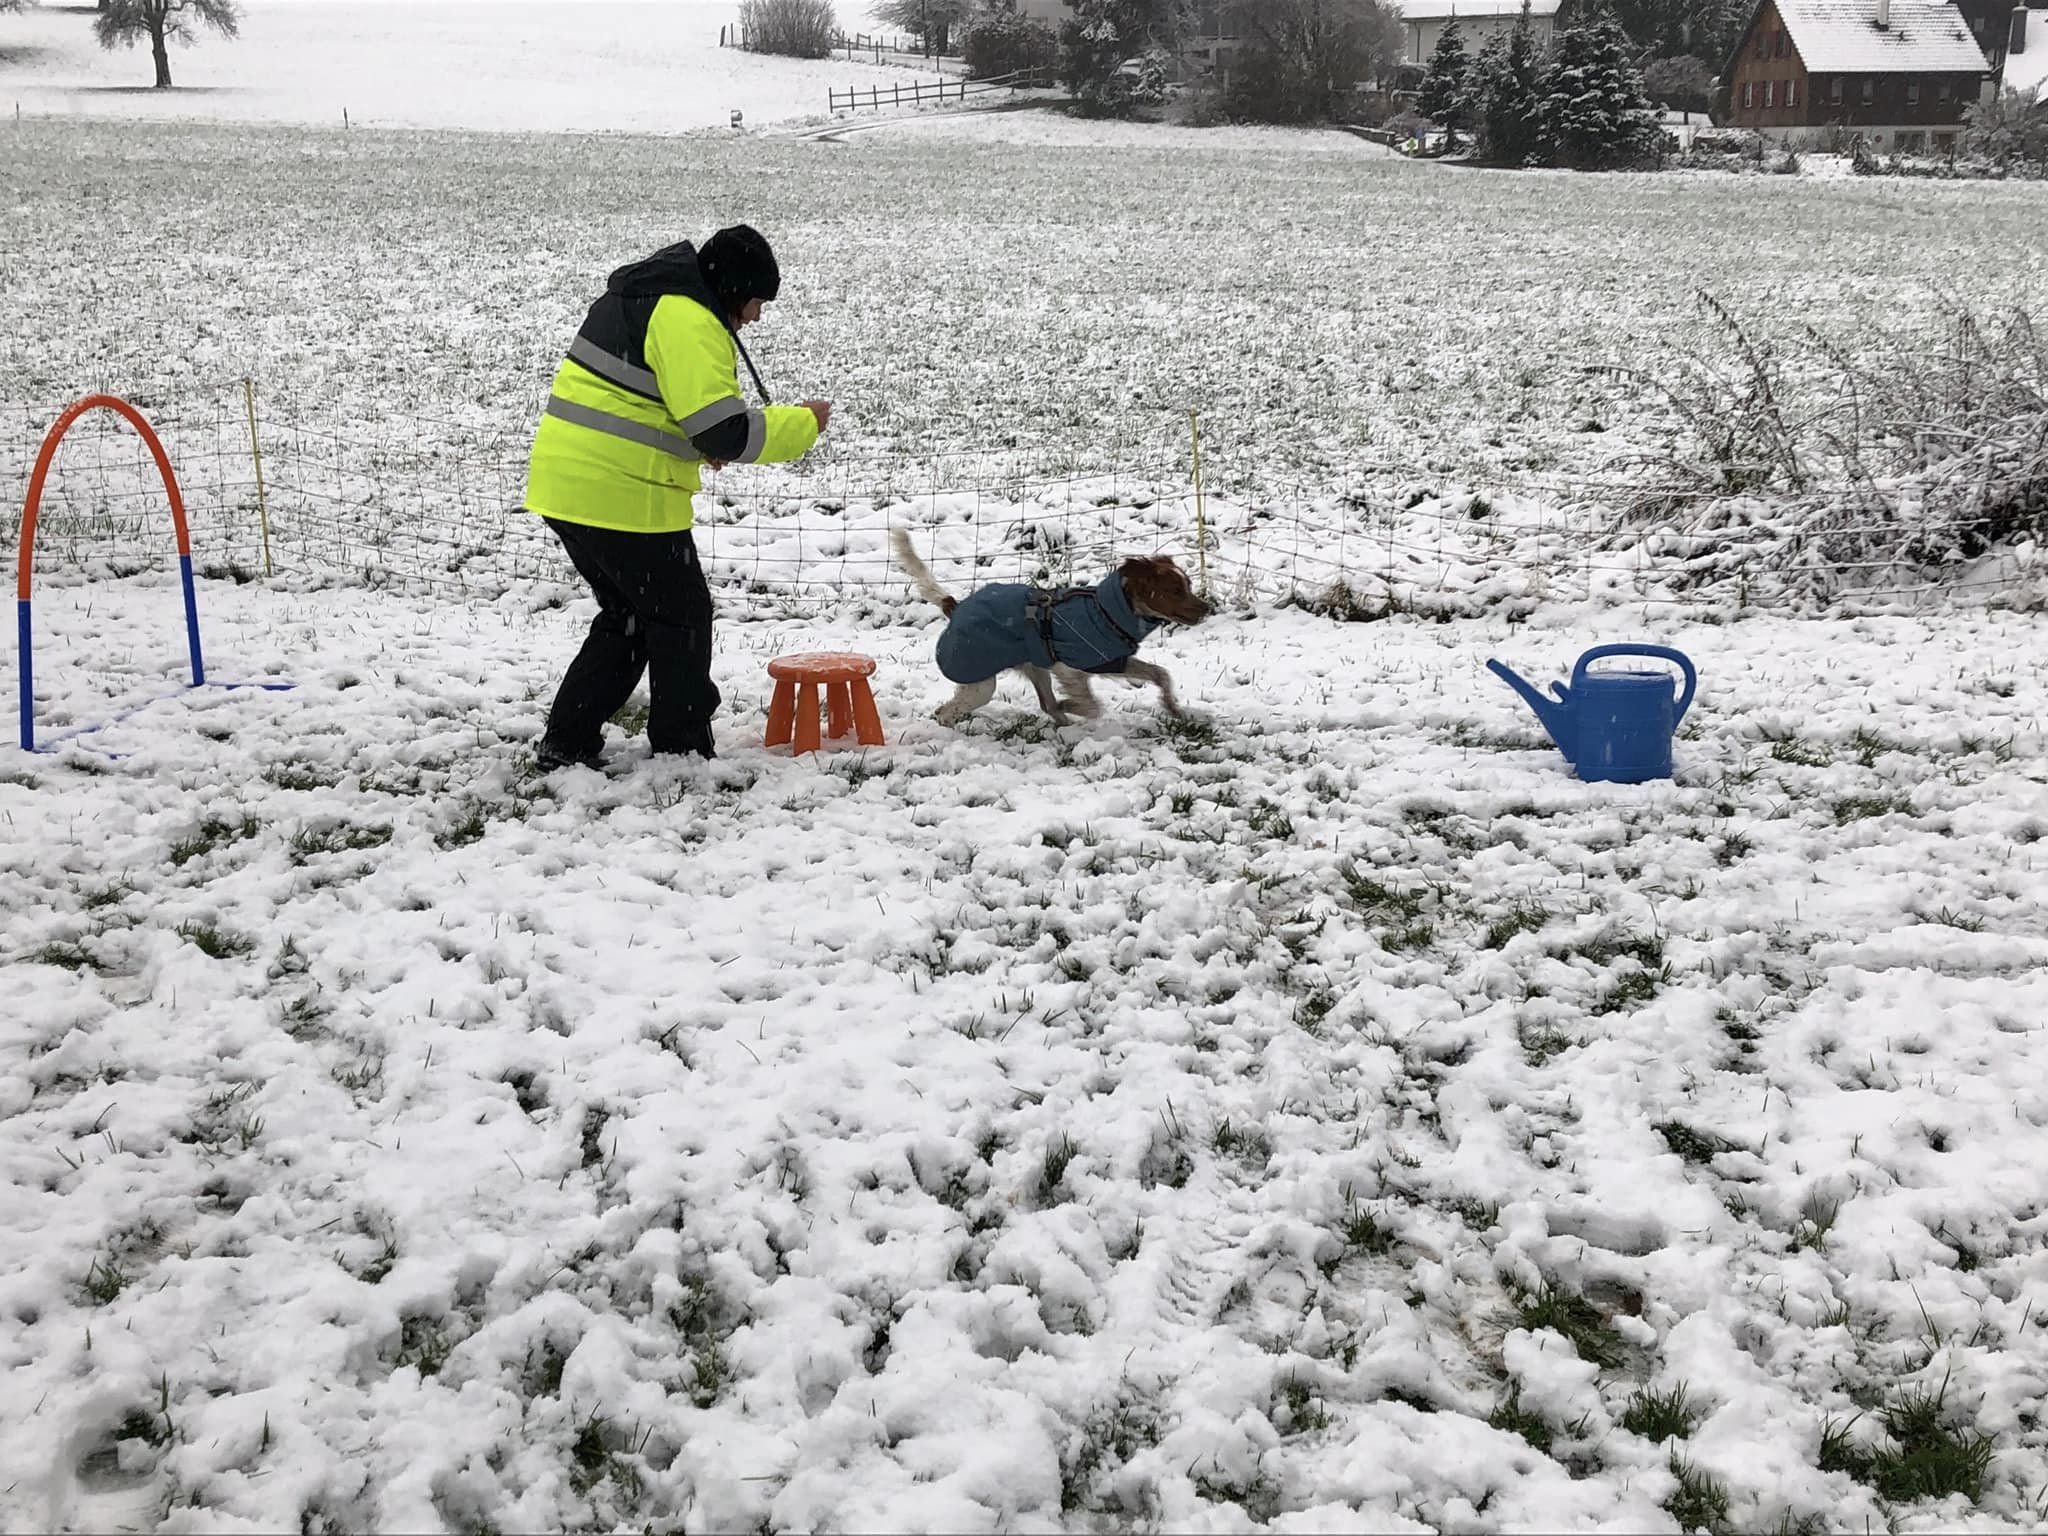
1884,15
2019,30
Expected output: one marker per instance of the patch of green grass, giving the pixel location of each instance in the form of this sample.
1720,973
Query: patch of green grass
1188,732
632,717
1312,1010
210,834
1868,746
1816,1221
1660,1416
1377,899
1108,1439
710,1374
102,897
1632,989
423,1343
215,942
1700,1502
589,1455
1522,917
1542,1042
1408,938
104,1282
1516,1420
1932,1460
1694,1146
1479,1215
1864,807
1789,749
310,841
1303,1406
1251,1145
467,828
1571,1317
1059,1157
1927,1459
1734,846
1270,821
64,955
1362,1232
297,776
1968,922
1646,949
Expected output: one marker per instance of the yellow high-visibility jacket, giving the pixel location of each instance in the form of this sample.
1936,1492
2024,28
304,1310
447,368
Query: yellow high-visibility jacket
649,392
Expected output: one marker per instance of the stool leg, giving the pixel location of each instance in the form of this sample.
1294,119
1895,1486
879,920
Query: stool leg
867,724
781,712
807,719
838,710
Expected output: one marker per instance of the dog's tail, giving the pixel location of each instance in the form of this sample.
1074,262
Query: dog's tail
920,573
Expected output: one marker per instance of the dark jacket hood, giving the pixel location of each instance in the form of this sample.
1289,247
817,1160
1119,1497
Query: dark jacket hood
672,269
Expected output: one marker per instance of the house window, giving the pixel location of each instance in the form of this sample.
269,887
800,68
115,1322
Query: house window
1941,91
1770,93
1912,93
1791,93
1835,90
1869,90
1748,94
1777,45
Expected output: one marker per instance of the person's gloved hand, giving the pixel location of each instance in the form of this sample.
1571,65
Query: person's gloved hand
822,409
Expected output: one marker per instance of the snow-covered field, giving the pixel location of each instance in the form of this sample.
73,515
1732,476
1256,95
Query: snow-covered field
1324,1114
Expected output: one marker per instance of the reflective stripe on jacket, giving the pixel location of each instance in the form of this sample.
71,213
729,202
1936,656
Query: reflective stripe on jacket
623,439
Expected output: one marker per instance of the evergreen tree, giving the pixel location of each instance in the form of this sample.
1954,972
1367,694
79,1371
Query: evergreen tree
1502,98
1101,35
1443,88
1591,101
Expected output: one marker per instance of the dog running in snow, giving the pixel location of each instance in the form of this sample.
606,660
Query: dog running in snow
1068,634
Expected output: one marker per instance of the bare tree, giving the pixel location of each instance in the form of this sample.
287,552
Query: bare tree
1303,59
124,23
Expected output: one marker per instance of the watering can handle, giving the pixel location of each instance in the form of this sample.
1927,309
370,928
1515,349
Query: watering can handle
1661,652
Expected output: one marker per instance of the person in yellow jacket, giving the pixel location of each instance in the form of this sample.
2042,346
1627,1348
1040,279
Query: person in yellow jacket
648,395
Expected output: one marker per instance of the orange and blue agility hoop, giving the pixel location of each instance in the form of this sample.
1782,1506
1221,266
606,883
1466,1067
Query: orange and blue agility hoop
26,566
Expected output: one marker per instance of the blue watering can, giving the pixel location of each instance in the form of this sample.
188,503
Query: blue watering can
1613,726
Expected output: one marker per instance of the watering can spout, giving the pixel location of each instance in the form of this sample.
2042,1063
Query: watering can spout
1555,713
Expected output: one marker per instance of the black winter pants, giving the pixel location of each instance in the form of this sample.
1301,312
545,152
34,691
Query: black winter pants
653,616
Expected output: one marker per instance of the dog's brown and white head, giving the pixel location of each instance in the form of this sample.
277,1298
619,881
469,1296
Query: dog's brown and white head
1159,589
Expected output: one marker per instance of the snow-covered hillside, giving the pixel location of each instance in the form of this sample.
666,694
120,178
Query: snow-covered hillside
584,66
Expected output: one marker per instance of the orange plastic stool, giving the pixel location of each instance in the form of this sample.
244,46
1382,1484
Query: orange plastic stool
847,699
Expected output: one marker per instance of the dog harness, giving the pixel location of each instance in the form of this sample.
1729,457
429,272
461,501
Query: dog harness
1009,624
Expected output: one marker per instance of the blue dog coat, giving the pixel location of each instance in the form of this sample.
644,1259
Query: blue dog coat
1008,624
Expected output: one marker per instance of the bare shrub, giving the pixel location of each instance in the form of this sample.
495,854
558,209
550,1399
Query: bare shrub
802,29
1827,471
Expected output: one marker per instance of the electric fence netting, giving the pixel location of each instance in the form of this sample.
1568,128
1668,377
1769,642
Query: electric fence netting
283,488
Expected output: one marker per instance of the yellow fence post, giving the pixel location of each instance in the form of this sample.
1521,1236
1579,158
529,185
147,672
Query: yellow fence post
1201,522
256,453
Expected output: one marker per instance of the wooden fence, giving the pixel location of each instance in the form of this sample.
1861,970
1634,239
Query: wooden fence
919,91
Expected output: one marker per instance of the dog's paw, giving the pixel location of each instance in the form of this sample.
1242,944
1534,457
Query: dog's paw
947,714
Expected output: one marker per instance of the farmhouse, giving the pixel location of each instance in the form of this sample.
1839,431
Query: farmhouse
1899,72
1423,23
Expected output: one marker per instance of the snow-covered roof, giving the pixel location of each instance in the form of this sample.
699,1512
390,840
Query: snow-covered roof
1444,10
1843,35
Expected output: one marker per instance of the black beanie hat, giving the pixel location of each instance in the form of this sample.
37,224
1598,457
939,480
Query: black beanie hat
739,266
